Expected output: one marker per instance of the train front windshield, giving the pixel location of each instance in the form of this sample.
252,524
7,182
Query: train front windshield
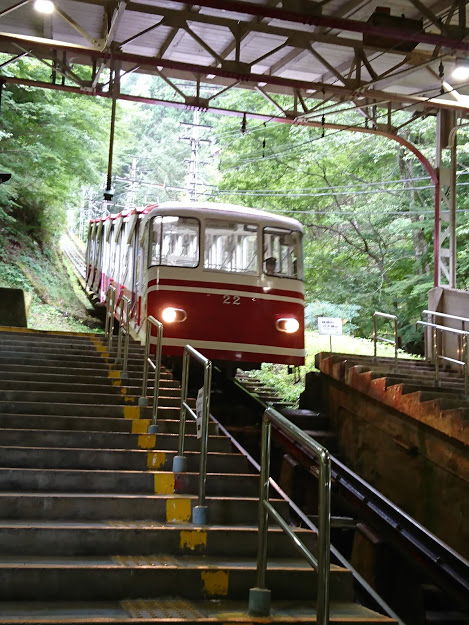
228,246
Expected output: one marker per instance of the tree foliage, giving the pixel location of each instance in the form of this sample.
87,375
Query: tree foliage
368,240
52,143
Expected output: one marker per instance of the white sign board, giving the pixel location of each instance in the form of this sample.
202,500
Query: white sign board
331,326
199,408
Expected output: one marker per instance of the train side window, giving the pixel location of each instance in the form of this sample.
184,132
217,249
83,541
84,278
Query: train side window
231,246
282,253
174,241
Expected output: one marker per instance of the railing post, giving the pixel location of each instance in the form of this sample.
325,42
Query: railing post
436,356
143,400
180,461
110,306
200,512
466,364
324,546
375,338
259,597
156,380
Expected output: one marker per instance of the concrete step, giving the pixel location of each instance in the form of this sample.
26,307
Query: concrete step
103,372
28,334
125,507
55,378
114,397
110,440
177,610
138,482
85,389
75,346
116,459
23,421
98,538
120,577
84,410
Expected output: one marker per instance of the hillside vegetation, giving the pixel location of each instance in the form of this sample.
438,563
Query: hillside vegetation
56,300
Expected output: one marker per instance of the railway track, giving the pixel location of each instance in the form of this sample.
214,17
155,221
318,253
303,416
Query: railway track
447,570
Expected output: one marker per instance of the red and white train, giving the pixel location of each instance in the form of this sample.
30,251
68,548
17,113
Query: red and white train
226,279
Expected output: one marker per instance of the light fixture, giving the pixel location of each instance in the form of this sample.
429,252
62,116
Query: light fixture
171,315
44,6
210,76
461,70
290,325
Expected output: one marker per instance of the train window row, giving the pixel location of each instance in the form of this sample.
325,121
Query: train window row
175,241
228,246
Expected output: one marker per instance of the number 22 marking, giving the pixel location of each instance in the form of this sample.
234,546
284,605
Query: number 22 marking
232,299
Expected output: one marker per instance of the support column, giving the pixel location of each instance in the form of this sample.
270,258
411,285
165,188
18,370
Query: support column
445,201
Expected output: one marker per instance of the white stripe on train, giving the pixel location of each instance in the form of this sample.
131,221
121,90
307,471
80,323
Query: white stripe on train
250,295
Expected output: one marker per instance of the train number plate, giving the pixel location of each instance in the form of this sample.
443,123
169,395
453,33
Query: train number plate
235,300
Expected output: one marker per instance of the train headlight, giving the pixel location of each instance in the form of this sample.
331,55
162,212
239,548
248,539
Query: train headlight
290,325
173,315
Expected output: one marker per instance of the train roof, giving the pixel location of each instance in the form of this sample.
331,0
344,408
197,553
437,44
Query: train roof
224,210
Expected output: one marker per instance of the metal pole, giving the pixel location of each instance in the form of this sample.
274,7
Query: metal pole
466,365
324,538
263,496
143,399
395,344
182,418
120,317
156,380
436,361
111,144
204,441
127,336
374,337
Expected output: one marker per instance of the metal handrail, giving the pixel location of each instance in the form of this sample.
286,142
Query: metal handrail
383,339
431,314
123,334
200,512
462,349
156,366
111,295
259,597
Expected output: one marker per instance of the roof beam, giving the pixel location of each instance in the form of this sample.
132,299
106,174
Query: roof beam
344,24
287,85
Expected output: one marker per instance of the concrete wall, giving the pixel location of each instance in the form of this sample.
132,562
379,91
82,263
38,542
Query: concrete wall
420,469
13,308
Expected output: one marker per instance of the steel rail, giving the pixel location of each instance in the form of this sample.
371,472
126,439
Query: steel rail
447,567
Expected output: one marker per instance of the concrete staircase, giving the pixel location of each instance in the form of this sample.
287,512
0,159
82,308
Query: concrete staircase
409,388
94,525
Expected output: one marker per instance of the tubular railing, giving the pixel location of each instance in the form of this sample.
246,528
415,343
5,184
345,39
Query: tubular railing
384,339
431,314
111,295
123,334
200,512
156,366
462,335
259,597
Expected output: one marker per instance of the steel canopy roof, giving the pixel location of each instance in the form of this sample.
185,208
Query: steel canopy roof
394,53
